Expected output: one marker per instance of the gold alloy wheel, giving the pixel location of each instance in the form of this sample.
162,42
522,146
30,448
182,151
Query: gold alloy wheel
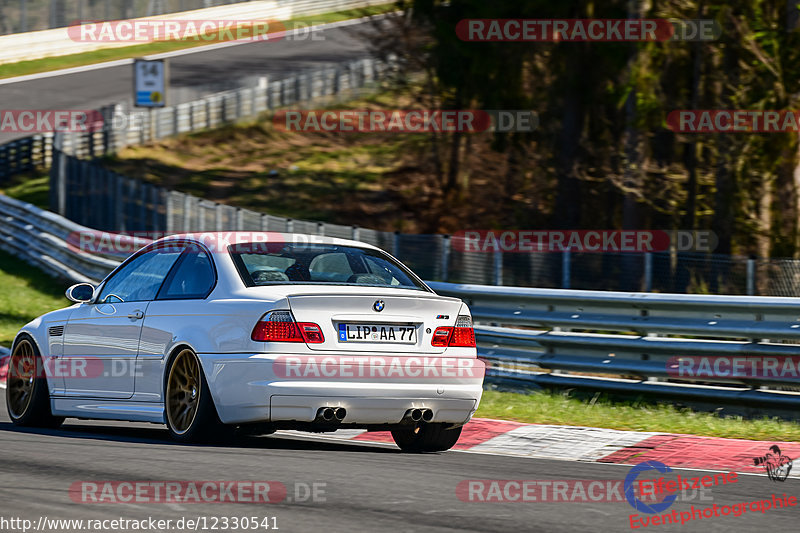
21,378
183,391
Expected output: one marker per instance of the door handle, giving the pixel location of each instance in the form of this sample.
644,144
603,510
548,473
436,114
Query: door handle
136,315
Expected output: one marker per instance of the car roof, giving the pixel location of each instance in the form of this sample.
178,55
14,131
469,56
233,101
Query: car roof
220,240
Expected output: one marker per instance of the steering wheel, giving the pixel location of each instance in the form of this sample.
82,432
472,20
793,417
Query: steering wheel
105,300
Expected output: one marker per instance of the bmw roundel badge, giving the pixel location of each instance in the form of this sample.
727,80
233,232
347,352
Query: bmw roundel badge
378,306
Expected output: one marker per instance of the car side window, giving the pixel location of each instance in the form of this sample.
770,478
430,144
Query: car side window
192,278
140,279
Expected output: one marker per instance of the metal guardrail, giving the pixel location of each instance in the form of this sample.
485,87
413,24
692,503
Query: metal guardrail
225,107
600,341
40,238
631,342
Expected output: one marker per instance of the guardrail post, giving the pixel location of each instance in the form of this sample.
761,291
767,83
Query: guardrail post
158,195
355,233
120,201
565,269
497,255
169,212
751,275
143,194
187,213
155,116
239,219
239,104
218,217
648,272
445,256
337,81
289,225
201,218
396,244
61,174
298,88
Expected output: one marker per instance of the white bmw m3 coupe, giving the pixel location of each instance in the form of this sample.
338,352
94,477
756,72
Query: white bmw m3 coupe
211,332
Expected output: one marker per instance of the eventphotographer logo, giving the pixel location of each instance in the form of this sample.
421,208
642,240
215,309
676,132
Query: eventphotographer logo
777,465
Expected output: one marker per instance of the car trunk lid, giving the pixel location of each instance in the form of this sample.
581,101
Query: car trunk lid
376,322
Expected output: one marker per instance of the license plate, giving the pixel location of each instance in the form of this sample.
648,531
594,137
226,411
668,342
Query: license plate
381,333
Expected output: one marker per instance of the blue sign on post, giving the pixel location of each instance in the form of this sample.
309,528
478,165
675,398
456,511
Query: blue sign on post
149,83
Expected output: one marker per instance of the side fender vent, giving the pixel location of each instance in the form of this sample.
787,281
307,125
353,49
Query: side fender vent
56,331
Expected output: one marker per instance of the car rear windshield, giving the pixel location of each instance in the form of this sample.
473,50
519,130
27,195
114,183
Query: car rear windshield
311,263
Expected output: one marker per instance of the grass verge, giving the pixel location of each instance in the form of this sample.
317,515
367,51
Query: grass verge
25,293
30,187
562,409
46,64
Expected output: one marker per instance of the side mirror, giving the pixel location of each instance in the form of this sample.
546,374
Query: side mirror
80,293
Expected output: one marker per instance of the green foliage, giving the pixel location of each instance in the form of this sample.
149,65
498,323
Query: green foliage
603,136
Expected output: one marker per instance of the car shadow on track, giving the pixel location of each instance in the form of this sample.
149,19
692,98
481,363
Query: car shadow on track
145,435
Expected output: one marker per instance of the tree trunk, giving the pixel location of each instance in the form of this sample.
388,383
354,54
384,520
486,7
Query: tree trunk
566,214
632,162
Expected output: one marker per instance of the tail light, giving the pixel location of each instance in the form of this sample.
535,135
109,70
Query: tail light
311,333
280,326
441,336
462,335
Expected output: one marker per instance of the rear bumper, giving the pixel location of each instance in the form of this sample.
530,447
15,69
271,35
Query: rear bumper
255,388
371,410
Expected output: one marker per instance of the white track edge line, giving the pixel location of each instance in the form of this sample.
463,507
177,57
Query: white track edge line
175,53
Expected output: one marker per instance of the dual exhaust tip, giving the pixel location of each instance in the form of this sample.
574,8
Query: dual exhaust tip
337,414
417,414
331,414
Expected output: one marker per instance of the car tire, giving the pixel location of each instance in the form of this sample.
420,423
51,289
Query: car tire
27,392
426,438
188,406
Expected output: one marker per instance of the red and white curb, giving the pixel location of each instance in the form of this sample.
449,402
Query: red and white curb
4,353
598,445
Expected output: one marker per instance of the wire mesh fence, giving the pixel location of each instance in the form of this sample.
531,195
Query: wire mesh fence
25,154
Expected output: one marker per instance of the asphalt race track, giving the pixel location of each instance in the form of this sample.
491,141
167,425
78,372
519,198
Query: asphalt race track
207,71
367,487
